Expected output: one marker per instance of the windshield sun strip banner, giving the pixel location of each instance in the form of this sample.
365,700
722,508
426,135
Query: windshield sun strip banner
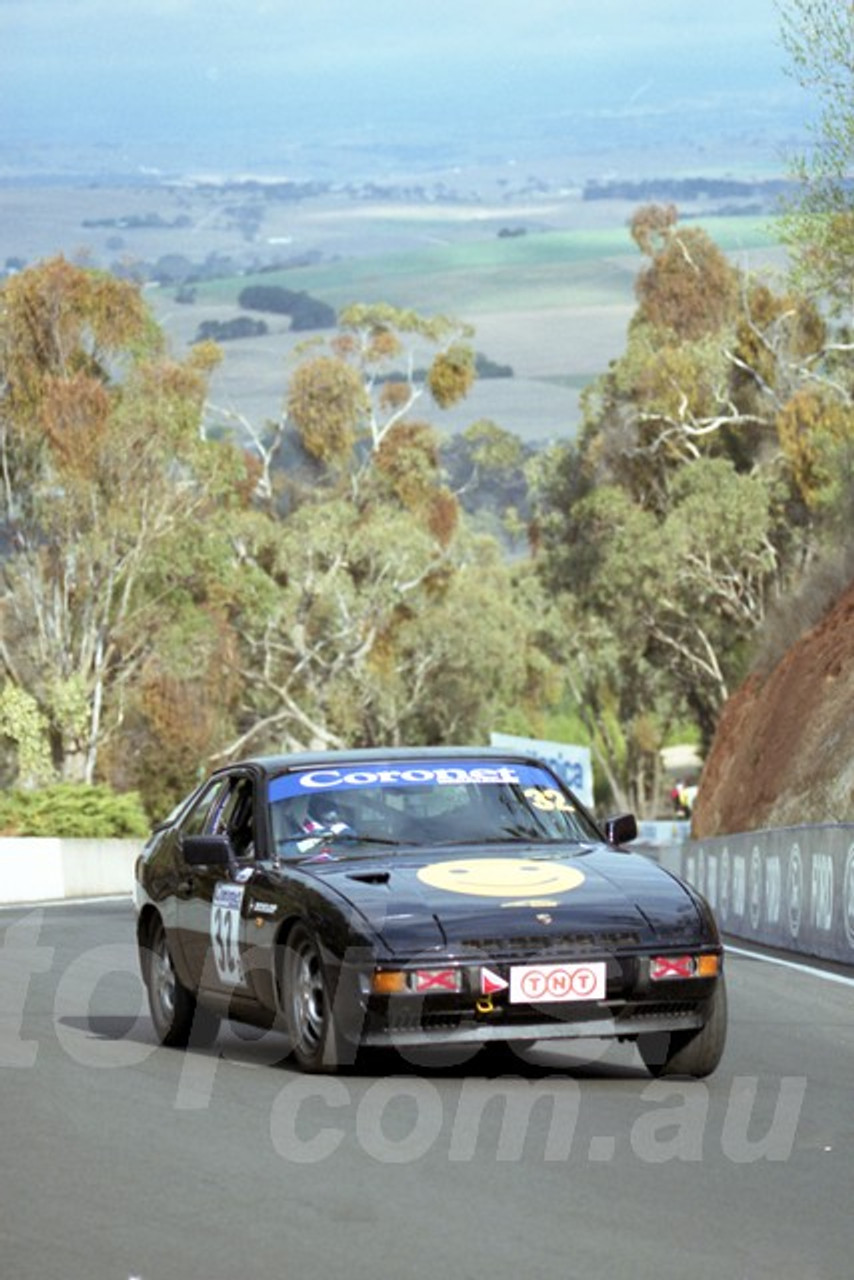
414,774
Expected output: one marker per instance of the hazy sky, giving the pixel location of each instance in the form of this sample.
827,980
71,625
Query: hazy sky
119,71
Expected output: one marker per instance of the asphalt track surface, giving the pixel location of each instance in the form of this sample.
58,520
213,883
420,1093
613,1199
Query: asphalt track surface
122,1159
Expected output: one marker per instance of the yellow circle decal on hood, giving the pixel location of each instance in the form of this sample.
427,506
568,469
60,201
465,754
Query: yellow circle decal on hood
501,877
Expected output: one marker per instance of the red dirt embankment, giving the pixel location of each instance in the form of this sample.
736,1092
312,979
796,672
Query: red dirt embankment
783,753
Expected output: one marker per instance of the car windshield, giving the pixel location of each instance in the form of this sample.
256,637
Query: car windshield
424,803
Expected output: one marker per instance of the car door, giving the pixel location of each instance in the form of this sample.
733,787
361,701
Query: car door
213,911
182,912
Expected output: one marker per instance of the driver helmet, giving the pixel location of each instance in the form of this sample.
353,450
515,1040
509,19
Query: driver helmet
323,813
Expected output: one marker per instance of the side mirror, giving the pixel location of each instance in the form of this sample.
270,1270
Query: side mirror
622,829
207,851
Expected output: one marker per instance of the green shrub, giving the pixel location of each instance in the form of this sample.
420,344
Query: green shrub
68,809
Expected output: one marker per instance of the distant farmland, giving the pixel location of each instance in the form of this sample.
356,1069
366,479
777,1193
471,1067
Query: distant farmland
539,269
546,282
554,305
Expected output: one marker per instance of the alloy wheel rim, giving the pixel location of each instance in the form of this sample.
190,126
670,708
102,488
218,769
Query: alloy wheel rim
164,978
308,996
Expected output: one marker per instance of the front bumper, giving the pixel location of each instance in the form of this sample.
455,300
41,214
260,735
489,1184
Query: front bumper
633,1005
623,1021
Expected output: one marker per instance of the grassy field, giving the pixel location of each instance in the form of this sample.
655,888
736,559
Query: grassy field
513,273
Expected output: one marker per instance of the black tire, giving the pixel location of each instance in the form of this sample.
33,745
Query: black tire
178,1020
689,1053
307,1004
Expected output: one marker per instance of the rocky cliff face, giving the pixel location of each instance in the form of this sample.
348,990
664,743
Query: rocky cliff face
783,753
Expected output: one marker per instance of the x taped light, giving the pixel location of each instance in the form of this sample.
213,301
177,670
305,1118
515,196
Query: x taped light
663,967
387,982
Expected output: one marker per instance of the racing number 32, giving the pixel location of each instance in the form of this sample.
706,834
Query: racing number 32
225,933
548,800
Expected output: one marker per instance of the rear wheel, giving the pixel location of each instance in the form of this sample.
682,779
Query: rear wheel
178,1020
689,1053
307,1004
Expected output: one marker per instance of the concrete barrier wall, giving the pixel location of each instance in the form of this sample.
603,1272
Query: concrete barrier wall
46,869
791,888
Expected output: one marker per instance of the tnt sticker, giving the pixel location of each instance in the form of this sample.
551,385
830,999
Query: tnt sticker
553,983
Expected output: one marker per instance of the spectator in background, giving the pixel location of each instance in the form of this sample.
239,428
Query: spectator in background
683,796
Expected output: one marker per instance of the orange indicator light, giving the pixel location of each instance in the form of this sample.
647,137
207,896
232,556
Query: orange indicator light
388,982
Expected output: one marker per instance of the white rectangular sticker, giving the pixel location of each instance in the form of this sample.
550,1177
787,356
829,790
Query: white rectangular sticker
225,933
543,983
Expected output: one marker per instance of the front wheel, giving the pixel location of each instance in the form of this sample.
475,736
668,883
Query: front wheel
307,1004
689,1053
178,1019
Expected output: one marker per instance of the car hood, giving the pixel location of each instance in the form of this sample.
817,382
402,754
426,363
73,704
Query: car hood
512,898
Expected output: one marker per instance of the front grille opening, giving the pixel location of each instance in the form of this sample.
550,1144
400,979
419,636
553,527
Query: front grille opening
659,1009
568,943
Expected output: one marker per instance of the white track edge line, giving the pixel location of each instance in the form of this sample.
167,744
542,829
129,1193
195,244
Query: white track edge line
814,972
66,902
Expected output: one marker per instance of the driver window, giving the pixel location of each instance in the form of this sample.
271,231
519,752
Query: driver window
236,817
200,817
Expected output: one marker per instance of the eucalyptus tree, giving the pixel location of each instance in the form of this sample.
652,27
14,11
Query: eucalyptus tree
684,509
353,393
106,484
387,620
818,227
817,426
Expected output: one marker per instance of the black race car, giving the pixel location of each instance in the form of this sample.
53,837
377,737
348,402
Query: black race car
420,897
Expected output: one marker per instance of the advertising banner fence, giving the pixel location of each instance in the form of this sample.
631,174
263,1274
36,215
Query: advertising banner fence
792,887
